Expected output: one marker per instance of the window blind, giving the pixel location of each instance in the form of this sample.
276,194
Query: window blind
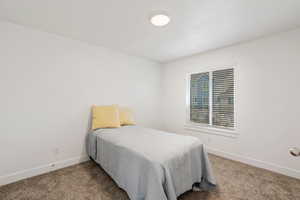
199,98
223,98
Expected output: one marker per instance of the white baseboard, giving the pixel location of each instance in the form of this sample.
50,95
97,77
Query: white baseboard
10,178
256,163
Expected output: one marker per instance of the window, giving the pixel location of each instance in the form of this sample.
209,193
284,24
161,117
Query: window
199,100
211,99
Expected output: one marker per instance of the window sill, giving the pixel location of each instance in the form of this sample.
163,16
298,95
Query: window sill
212,130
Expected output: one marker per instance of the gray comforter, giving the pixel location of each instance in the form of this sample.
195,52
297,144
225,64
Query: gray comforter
150,164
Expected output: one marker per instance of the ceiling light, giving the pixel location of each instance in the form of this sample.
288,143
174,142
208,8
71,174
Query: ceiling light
160,20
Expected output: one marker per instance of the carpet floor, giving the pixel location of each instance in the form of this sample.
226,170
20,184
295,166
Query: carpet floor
87,181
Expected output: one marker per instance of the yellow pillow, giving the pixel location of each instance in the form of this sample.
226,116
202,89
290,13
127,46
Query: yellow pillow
105,117
126,116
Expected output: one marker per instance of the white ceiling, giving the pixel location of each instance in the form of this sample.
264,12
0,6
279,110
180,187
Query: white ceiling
196,25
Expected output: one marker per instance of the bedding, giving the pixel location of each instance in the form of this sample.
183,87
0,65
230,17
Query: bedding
105,117
126,116
150,164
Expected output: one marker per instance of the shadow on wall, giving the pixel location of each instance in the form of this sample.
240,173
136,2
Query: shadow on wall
85,149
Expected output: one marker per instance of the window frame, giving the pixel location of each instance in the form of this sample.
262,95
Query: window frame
209,128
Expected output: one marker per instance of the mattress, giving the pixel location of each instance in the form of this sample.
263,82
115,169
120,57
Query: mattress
150,164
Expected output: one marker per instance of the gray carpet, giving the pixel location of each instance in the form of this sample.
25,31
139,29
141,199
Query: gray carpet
87,181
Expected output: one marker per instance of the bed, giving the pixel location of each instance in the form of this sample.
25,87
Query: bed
150,164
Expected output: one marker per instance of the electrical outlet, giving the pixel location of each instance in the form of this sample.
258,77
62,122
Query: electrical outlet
208,140
56,151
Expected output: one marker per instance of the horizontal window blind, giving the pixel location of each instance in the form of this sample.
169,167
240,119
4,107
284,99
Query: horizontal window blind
223,98
199,98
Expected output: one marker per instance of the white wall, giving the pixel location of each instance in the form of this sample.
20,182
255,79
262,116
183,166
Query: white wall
267,100
47,86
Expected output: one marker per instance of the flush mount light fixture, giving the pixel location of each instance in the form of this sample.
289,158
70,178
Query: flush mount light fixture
160,20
